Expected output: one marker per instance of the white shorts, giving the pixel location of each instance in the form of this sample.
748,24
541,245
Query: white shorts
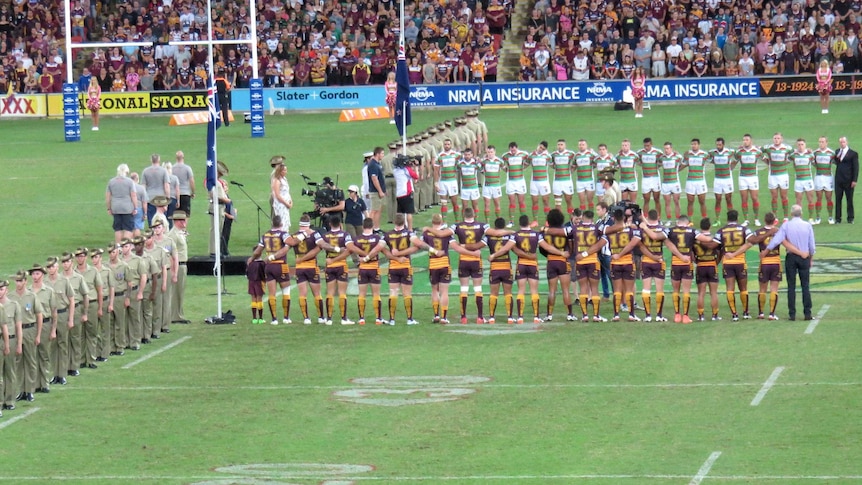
470,194
540,188
672,188
824,182
589,186
803,185
563,187
447,188
722,186
494,192
778,182
629,186
749,183
516,187
695,187
600,190
650,184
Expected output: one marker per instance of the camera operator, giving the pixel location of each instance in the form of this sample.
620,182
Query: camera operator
326,203
404,170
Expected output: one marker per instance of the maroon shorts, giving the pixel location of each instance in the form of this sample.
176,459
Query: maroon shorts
526,272
307,275
440,275
555,269
403,276
503,276
470,269
255,288
339,273
652,270
769,272
369,276
588,271
735,270
623,272
254,271
679,272
278,272
707,274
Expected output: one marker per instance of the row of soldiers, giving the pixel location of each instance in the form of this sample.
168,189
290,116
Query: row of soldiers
87,305
464,132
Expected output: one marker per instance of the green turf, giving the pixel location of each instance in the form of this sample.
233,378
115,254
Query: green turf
563,403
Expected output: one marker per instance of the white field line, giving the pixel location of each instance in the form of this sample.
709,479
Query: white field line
155,353
705,468
11,421
811,326
448,386
767,386
221,478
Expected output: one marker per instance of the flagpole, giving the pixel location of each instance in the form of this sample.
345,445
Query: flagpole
402,52
214,192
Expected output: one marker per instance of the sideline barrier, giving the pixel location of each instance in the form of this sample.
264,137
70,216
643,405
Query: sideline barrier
362,114
195,118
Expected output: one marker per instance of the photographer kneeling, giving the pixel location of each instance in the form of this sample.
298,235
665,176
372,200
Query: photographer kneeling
404,171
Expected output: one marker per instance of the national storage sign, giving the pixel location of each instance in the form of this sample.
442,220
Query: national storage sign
138,102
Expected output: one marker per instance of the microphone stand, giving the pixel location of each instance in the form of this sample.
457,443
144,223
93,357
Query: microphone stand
259,208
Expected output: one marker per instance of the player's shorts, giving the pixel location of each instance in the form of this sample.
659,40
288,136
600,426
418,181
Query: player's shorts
499,276
440,275
629,186
707,274
722,186
623,272
749,183
526,272
255,289
590,271
652,270
803,185
447,188
516,187
556,268
824,182
469,269
769,272
671,188
277,272
540,188
403,276
369,277
561,187
679,272
338,273
492,192
735,270
470,194
650,184
124,222
585,186
778,182
695,187
255,274
307,275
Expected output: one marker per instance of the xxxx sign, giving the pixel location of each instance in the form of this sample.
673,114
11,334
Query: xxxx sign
23,105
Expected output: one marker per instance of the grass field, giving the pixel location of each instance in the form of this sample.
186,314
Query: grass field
748,402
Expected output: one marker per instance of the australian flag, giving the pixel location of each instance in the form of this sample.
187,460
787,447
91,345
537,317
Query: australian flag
402,95
212,126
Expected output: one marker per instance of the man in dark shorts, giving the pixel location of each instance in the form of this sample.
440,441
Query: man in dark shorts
336,269
653,265
769,275
439,267
401,243
468,234
558,269
680,241
732,237
621,243
501,268
367,247
587,266
706,257
122,203
254,271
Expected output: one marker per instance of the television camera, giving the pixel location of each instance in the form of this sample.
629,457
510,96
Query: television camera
325,194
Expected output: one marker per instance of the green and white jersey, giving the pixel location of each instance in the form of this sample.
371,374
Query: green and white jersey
722,160
540,162
447,162
562,162
777,156
627,161
469,170
649,161
493,168
515,163
748,158
823,162
584,163
695,160
802,164
670,167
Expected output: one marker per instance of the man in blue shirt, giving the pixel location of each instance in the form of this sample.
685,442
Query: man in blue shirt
376,187
797,236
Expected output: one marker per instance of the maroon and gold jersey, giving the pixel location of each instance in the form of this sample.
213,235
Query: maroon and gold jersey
441,246
527,241
367,243
654,245
774,255
683,238
272,241
618,241
732,237
585,236
705,256
470,233
558,238
308,244
399,239
495,243
337,239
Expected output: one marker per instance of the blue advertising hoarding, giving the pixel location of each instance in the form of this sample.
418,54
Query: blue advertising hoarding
325,97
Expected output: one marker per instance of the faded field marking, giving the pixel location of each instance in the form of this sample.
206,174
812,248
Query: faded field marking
705,468
155,353
11,421
811,326
767,386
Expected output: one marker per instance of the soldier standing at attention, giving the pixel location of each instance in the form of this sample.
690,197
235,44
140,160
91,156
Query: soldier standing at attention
45,296
90,328
178,234
31,319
